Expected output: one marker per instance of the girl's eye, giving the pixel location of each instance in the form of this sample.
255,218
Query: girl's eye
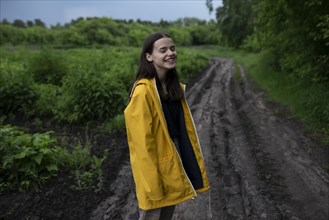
163,50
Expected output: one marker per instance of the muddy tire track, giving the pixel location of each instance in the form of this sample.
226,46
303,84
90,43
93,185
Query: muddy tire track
257,164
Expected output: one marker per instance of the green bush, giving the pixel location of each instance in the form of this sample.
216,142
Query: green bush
16,88
46,104
27,160
119,63
87,169
315,104
181,37
48,66
91,96
117,123
12,35
190,63
124,74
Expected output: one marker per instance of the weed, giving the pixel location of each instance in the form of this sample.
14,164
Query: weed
27,160
87,170
117,123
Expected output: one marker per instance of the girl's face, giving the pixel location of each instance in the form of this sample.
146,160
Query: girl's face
163,55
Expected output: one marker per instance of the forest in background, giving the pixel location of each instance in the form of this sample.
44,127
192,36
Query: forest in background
94,31
297,33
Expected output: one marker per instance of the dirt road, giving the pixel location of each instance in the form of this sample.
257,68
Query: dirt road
260,165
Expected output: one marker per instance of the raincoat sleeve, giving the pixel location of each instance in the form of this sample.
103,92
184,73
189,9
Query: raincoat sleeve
143,155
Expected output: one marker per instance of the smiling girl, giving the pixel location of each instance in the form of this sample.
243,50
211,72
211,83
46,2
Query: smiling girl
165,155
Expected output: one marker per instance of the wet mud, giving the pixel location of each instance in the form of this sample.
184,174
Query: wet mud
260,165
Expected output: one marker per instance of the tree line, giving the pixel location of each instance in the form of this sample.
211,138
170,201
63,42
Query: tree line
94,31
297,32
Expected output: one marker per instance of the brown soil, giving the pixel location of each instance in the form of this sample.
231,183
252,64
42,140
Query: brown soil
261,164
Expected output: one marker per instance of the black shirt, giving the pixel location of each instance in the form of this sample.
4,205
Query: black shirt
172,110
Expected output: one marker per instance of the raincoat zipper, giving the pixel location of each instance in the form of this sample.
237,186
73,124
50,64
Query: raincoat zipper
173,142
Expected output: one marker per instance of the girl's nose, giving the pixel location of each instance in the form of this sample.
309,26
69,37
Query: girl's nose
171,52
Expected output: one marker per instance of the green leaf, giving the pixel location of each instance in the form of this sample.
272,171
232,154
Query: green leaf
24,152
52,167
38,158
97,161
45,151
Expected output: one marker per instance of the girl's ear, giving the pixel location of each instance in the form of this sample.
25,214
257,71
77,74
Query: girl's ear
149,57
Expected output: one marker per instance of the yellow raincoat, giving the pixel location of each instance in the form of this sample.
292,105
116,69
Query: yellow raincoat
159,175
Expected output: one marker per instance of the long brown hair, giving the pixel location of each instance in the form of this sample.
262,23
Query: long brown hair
147,70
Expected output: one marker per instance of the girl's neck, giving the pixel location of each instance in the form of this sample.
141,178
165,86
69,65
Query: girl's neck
162,77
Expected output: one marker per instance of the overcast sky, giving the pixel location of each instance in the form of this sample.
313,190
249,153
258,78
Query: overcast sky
62,11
